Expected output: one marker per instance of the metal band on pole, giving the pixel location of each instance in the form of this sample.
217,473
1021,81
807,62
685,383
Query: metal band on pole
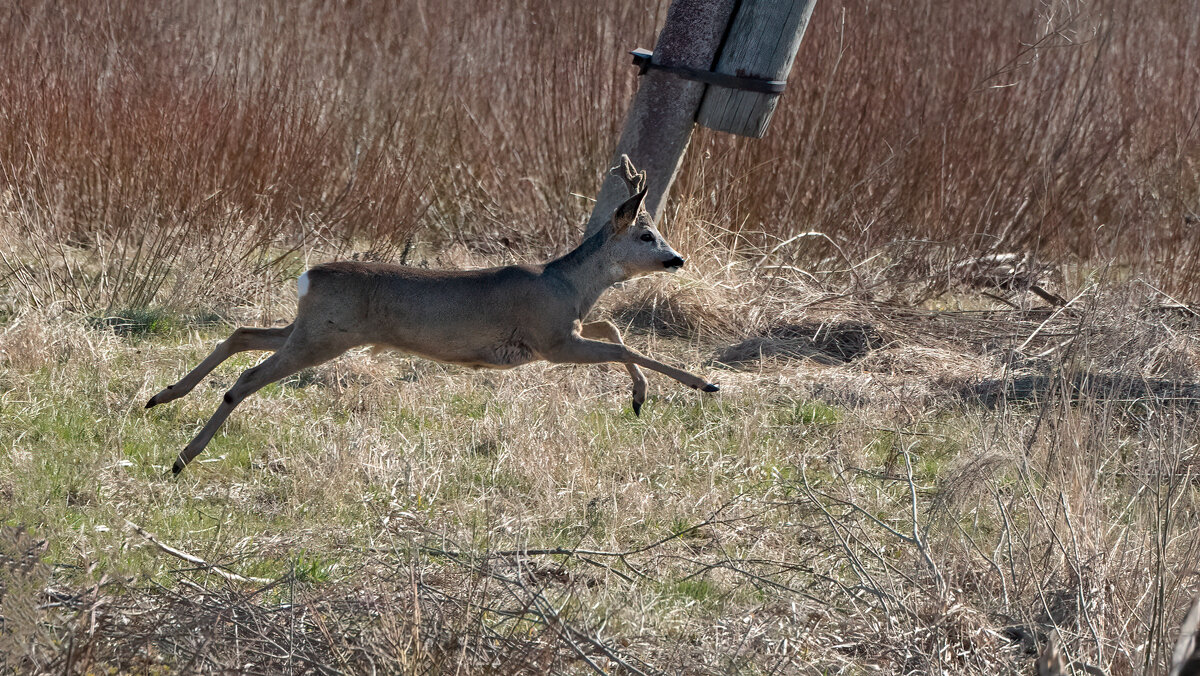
644,60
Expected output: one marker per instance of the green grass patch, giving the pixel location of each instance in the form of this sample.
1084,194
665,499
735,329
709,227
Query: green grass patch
698,589
810,412
137,322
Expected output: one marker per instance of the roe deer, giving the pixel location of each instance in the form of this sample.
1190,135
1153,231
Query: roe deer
497,317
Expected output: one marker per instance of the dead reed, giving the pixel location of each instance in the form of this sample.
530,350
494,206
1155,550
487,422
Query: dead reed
925,134
916,465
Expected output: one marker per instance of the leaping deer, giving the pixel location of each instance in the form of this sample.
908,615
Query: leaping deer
496,318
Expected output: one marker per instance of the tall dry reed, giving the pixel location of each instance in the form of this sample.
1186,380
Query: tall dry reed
926,132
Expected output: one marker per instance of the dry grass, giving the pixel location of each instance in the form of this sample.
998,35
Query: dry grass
914,466
939,500
922,135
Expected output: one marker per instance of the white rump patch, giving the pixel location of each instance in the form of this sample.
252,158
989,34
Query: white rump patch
302,286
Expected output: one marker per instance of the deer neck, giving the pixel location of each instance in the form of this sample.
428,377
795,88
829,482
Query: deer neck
588,270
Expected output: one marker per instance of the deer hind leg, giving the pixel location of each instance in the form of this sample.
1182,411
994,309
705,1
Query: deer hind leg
578,350
242,340
606,331
295,355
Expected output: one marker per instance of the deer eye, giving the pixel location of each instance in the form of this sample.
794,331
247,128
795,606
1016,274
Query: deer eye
647,237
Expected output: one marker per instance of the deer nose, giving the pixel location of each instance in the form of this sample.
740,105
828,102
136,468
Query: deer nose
675,262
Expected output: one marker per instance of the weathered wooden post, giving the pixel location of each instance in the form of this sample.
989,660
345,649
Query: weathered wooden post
660,120
720,62
762,44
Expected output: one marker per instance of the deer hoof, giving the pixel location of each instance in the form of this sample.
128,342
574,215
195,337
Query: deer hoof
178,466
711,388
637,408
151,403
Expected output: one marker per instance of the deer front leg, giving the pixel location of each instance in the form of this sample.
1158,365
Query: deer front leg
606,331
242,340
579,350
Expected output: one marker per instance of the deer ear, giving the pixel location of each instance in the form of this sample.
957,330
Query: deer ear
627,213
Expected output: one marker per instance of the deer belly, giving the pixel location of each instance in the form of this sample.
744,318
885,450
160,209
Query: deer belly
502,355
506,355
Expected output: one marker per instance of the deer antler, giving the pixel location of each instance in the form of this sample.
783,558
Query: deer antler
635,180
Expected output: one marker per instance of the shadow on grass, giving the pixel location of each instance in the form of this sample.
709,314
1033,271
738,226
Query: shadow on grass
1118,387
827,343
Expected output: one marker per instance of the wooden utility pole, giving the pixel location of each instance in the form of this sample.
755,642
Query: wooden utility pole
746,52
724,60
660,120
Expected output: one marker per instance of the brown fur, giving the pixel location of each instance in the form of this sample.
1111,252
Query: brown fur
496,317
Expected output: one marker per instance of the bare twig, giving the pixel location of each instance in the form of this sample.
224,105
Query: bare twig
192,558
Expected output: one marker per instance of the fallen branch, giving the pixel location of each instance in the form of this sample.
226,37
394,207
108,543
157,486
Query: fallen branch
192,558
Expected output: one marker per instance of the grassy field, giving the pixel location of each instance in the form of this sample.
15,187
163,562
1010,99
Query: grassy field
915,463
927,490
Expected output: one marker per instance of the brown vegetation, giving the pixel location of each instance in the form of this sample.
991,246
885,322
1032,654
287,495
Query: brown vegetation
924,133
918,463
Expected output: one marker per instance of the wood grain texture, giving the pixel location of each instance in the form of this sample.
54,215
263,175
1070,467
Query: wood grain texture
762,43
660,120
